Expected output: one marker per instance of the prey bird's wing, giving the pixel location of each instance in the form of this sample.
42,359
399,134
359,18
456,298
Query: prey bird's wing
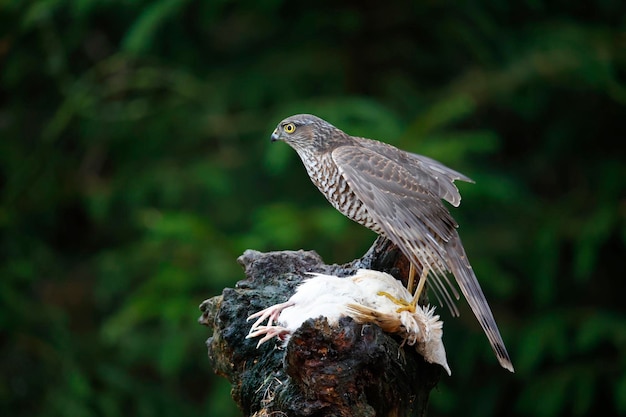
411,214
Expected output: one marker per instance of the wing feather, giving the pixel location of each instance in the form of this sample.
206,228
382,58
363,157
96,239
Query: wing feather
432,174
409,211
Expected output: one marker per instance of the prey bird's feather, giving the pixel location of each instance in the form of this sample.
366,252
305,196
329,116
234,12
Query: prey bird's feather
360,297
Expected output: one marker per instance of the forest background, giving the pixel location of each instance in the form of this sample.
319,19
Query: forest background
135,167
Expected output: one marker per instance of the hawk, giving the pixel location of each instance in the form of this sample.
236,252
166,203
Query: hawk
398,195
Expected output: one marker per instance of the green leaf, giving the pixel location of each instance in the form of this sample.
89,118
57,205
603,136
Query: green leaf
141,34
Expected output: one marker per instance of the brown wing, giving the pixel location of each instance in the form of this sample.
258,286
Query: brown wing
431,174
412,215
408,213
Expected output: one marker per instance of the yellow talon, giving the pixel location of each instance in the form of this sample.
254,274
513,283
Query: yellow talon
409,305
398,301
404,305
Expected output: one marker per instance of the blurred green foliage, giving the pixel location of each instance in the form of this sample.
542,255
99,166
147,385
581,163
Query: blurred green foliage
135,167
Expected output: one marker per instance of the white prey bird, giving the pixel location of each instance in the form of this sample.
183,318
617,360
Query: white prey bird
368,297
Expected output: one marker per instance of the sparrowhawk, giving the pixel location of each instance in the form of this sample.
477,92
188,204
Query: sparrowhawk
398,195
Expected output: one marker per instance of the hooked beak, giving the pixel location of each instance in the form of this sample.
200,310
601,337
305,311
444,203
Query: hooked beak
275,136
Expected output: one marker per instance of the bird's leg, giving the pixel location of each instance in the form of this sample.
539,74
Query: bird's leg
395,300
420,287
271,314
406,305
411,281
268,332
409,306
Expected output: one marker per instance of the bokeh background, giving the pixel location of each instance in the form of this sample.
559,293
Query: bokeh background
135,167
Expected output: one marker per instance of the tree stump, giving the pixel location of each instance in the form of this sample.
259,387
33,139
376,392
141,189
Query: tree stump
347,370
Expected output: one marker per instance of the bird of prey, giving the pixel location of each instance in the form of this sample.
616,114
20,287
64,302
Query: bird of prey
367,298
398,195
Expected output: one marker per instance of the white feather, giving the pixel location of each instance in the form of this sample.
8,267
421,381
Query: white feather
358,297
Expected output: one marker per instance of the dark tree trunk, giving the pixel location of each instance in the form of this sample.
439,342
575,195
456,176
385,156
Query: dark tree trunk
348,370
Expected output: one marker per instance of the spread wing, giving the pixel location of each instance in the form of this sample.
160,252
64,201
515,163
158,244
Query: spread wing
410,212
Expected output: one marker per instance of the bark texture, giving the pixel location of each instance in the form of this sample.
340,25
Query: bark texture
348,370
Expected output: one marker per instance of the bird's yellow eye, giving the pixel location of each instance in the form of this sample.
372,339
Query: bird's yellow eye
289,128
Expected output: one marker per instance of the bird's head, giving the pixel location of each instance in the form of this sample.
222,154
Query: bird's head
306,133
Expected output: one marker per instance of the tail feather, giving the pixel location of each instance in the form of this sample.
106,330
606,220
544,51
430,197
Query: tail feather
466,279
